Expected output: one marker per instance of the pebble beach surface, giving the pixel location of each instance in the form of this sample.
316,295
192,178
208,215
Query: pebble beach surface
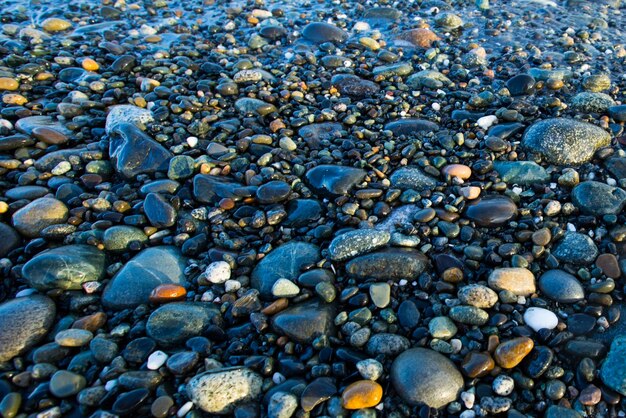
301,208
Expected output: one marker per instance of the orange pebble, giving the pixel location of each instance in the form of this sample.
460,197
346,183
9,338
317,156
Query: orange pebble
470,192
362,394
457,170
164,293
90,65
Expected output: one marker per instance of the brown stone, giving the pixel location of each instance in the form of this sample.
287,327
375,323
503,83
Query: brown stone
510,353
518,280
470,192
452,275
49,135
609,265
90,64
276,306
421,37
8,83
362,394
477,364
168,292
457,170
591,395
542,237
91,322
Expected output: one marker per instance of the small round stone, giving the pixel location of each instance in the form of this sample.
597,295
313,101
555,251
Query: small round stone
362,394
73,337
218,272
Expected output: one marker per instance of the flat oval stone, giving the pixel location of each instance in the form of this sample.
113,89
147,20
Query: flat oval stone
38,215
387,344
119,237
315,133
492,210
423,376
320,32
176,322
598,199
388,264
23,323
64,384
565,141
334,180
134,282
469,315
353,243
66,267
410,126
561,286
220,391
361,394
305,322
510,353
419,37
540,318
273,192
284,262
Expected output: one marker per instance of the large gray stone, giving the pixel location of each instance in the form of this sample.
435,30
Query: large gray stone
357,242
174,323
598,199
576,248
613,370
23,323
38,215
388,264
423,376
565,141
219,391
305,322
131,286
66,267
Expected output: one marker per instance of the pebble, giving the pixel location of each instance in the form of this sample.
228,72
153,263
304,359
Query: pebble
478,295
73,337
361,394
24,322
510,353
353,243
565,141
370,369
38,215
218,272
64,384
491,210
219,391
503,385
561,286
540,318
518,280
420,375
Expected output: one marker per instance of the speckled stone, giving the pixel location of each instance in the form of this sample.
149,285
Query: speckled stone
565,141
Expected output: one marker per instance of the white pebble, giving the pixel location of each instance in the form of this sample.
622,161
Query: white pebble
207,296
232,286
486,121
156,360
284,288
184,409
503,385
61,168
467,414
192,141
361,26
538,318
468,399
436,107
108,386
218,272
